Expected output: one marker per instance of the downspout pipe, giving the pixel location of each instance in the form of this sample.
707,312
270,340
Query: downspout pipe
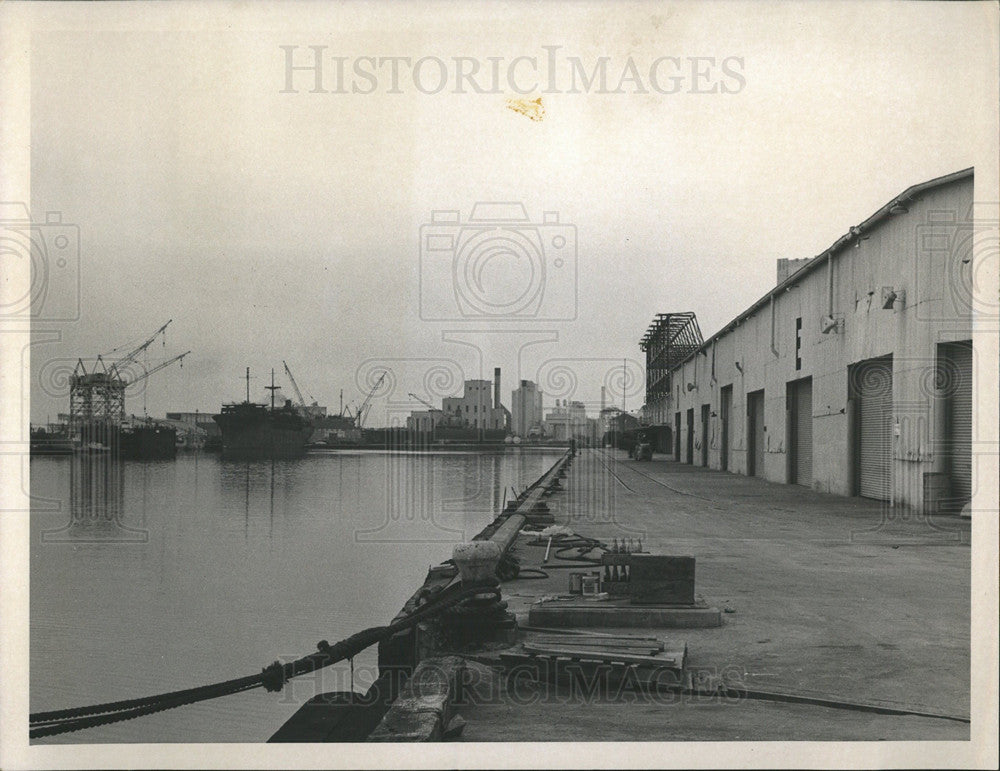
774,348
829,284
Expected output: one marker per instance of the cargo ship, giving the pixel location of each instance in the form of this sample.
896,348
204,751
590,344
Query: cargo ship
148,441
252,431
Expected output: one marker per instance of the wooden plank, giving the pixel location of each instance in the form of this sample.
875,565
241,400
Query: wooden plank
559,632
553,669
628,649
625,658
583,642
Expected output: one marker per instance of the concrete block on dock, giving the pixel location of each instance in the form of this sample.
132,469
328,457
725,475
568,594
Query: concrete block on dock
424,707
660,579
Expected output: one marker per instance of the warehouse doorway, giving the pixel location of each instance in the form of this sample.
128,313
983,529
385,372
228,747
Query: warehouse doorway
800,440
755,433
955,381
705,415
725,411
689,455
870,386
677,437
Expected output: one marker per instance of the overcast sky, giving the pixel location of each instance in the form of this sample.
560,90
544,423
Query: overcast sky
278,226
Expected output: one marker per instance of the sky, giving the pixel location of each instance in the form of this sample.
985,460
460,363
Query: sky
291,225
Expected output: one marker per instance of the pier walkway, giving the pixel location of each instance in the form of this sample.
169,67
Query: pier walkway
838,598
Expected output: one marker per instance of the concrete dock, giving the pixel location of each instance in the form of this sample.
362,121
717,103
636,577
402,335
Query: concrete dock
839,599
833,611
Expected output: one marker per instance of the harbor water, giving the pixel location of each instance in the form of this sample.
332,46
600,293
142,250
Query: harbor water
149,577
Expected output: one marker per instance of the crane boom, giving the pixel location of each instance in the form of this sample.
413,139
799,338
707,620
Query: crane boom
158,367
427,404
362,411
130,356
295,386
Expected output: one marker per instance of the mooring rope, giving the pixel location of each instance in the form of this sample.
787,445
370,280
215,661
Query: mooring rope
272,677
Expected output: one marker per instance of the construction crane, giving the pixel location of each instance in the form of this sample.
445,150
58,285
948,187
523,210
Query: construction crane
426,403
295,386
131,355
311,410
157,368
362,412
100,394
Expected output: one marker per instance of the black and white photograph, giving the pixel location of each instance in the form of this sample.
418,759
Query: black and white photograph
499,384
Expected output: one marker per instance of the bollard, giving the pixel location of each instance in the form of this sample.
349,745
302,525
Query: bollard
477,561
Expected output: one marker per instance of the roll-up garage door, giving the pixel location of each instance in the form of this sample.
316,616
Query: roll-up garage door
726,411
874,390
755,426
802,407
959,382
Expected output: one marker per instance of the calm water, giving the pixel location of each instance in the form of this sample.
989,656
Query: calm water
167,575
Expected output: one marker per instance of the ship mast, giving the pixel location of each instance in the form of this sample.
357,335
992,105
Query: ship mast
248,385
272,388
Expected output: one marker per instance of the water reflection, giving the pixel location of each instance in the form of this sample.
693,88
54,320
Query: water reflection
96,503
267,554
251,483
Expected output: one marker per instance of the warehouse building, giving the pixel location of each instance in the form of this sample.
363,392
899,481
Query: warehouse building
852,376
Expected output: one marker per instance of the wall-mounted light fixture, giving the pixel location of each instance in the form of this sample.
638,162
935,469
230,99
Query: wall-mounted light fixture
857,233
830,323
739,367
891,296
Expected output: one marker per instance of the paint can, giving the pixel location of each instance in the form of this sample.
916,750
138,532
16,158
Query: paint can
590,584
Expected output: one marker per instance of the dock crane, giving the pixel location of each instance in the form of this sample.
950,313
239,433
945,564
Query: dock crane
362,412
99,395
314,408
129,357
157,368
295,386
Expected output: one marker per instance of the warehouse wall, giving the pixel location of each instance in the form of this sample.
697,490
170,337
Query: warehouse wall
913,251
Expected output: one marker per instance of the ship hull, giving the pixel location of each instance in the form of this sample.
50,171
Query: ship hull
250,432
148,443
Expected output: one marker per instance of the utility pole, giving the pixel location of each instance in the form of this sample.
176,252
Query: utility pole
624,375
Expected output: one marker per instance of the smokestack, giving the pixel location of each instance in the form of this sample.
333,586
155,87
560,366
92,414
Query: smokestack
604,398
496,388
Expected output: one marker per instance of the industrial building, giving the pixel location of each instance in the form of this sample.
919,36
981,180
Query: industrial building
526,410
478,407
852,376
568,421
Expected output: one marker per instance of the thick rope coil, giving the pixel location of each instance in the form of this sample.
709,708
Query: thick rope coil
272,677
